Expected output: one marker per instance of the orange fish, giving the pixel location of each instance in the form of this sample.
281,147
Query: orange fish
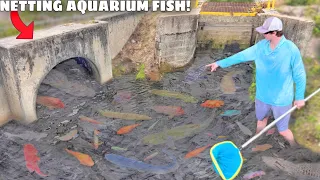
196,151
127,129
50,102
169,110
212,103
84,118
262,147
83,158
31,158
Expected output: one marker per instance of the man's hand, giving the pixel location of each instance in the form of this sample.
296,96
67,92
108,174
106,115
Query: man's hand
213,66
299,103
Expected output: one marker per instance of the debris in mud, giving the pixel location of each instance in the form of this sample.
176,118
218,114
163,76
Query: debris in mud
74,112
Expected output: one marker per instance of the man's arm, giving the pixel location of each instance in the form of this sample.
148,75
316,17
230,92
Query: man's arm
248,54
299,74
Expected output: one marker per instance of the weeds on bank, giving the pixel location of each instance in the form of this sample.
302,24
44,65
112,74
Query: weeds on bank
307,124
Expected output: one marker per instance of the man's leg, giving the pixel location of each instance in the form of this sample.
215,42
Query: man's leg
283,124
262,111
261,124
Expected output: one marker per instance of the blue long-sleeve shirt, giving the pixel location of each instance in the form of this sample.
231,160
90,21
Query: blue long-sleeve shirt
276,71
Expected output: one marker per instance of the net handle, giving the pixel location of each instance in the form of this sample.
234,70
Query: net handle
275,121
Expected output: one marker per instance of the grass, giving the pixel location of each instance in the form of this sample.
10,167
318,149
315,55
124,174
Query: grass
42,19
252,88
307,126
230,0
302,2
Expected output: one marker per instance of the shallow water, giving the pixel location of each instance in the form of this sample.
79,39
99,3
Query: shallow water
56,162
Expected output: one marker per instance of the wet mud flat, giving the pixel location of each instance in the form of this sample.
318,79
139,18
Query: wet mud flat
83,96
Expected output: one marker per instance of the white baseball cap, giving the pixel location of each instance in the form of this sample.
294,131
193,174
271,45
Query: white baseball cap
270,24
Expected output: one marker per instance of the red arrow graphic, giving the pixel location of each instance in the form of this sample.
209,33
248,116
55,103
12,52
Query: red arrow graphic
26,32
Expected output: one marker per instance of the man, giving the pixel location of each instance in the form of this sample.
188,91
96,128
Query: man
278,65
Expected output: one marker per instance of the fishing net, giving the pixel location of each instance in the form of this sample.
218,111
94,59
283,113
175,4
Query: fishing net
226,159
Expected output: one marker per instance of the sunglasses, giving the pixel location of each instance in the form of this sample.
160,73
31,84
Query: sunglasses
269,32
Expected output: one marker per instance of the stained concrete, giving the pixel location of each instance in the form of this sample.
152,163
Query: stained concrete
176,39
4,107
25,63
219,31
121,26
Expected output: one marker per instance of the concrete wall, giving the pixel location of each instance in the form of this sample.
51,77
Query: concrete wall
176,39
4,106
25,63
296,29
217,31
121,26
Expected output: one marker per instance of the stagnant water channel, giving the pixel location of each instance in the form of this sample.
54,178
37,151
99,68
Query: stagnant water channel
200,126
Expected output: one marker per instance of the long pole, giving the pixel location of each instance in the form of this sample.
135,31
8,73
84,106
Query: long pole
275,121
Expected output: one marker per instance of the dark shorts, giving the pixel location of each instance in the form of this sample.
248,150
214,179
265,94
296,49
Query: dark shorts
264,110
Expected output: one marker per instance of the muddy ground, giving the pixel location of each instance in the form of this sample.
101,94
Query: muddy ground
58,164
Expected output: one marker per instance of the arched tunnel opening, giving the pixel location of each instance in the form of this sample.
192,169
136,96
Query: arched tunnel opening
66,90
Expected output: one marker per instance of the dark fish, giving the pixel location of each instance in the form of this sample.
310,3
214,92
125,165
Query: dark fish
310,170
141,166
